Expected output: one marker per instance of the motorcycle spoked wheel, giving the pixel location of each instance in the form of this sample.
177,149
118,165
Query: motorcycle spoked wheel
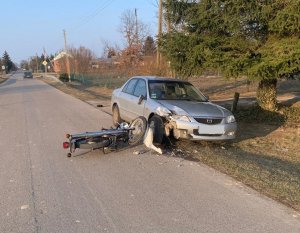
136,136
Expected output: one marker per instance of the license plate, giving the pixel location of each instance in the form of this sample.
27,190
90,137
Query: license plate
211,129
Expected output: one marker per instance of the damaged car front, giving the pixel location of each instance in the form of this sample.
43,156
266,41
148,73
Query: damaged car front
188,114
183,125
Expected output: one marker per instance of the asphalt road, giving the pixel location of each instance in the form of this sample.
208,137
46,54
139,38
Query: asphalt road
41,190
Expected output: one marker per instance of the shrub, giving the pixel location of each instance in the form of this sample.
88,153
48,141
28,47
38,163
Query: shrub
255,114
64,77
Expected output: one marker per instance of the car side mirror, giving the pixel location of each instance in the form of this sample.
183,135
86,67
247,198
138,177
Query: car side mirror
141,98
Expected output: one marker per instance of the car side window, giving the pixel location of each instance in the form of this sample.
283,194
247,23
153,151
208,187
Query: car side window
140,89
129,87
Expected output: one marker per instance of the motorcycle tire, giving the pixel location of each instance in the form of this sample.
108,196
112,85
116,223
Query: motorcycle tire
136,136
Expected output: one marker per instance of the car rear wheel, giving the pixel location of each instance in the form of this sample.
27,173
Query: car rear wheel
116,115
157,124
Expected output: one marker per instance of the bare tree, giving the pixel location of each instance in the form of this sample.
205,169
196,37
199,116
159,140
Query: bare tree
82,58
109,50
134,31
24,64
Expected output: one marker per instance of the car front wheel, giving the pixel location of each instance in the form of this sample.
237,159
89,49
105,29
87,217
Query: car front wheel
157,124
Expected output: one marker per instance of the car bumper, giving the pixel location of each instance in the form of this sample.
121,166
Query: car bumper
198,131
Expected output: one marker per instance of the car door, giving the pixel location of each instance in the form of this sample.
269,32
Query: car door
139,99
126,98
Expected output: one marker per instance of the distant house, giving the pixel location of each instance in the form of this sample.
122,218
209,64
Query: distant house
104,63
59,62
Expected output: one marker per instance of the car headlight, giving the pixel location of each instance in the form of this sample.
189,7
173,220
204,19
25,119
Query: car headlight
181,118
230,119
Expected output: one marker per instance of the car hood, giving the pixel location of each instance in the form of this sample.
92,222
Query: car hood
194,108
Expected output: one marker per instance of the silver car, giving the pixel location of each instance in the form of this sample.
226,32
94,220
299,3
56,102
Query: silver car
172,106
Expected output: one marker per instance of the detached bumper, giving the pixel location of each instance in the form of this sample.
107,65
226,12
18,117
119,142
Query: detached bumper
198,131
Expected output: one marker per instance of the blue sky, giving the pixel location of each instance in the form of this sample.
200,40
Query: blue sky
28,26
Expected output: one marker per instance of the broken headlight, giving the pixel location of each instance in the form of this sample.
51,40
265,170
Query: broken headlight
230,119
181,118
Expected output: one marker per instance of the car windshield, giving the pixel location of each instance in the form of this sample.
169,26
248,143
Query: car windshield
174,90
27,73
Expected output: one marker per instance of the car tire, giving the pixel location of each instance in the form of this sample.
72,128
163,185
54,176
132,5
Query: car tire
116,115
156,122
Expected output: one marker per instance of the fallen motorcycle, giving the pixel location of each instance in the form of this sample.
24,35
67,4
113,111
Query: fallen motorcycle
131,134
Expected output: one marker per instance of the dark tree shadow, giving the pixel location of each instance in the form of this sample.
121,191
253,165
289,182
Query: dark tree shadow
23,89
256,122
291,102
8,82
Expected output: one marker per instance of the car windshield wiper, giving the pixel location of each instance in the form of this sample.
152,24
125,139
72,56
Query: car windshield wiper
196,100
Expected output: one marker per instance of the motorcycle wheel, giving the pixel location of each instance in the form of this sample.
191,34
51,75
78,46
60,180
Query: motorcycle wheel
136,136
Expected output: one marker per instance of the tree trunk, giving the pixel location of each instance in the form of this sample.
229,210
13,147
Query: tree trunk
266,94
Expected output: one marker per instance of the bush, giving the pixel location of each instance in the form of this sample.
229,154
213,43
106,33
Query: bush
64,77
255,114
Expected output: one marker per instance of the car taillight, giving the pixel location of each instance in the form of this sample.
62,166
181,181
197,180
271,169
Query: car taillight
66,145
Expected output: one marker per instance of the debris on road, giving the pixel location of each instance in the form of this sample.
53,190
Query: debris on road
24,207
140,152
148,141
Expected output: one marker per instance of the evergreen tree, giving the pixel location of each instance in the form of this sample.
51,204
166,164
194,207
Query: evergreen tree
149,46
7,62
259,40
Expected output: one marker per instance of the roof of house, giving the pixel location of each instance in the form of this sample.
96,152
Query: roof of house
61,55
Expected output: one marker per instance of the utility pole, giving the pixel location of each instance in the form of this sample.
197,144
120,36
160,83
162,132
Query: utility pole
37,63
136,27
137,44
67,57
45,61
160,12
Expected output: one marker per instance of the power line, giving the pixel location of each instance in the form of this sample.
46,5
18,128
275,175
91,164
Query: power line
89,17
153,3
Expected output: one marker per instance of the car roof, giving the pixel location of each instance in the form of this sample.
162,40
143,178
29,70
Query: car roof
157,78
